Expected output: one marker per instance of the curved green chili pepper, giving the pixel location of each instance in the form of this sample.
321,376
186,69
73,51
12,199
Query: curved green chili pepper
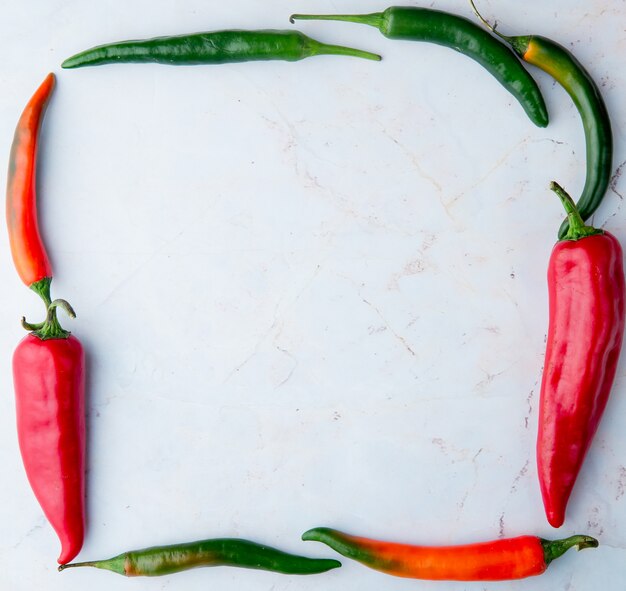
216,47
165,560
443,28
572,76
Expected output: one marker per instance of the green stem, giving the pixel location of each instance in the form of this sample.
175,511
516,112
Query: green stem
555,548
491,27
324,49
62,567
42,289
29,326
117,564
374,19
577,228
51,328
518,43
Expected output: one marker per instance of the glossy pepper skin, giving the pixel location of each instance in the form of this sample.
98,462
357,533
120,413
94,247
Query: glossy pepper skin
586,305
214,47
561,64
460,34
165,560
49,381
48,364
27,248
499,560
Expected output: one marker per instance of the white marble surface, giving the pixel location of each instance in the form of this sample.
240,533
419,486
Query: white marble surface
311,294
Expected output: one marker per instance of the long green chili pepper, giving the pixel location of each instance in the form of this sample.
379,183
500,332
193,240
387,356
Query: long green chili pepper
443,28
572,76
165,560
216,47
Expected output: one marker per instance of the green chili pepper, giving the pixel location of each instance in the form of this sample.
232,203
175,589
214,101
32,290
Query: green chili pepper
165,560
216,47
442,28
572,76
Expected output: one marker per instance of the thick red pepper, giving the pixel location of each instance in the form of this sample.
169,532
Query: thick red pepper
49,381
48,364
586,301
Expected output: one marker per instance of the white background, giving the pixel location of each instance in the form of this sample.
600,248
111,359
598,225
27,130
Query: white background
311,293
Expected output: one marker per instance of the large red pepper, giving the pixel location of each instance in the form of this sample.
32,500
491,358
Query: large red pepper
586,301
48,364
49,389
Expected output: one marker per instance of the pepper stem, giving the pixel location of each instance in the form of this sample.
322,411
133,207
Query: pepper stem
518,44
115,564
577,228
324,49
552,549
30,327
492,28
374,19
42,289
62,567
51,328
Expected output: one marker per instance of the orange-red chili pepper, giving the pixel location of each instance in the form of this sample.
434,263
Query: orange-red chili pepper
499,560
29,253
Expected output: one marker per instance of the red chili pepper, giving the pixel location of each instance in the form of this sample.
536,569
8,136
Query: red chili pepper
49,381
27,248
586,297
48,364
498,560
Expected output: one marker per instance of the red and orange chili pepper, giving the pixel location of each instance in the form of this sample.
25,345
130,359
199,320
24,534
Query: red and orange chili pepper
29,253
498,560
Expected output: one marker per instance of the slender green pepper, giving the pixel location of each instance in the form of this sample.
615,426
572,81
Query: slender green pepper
165,560
460,34
572,76
216,47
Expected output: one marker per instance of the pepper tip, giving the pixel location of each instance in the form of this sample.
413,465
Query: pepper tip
69,551
49,82
315,534
555,519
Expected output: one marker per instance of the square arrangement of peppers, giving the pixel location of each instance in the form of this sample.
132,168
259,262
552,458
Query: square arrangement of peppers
585,290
